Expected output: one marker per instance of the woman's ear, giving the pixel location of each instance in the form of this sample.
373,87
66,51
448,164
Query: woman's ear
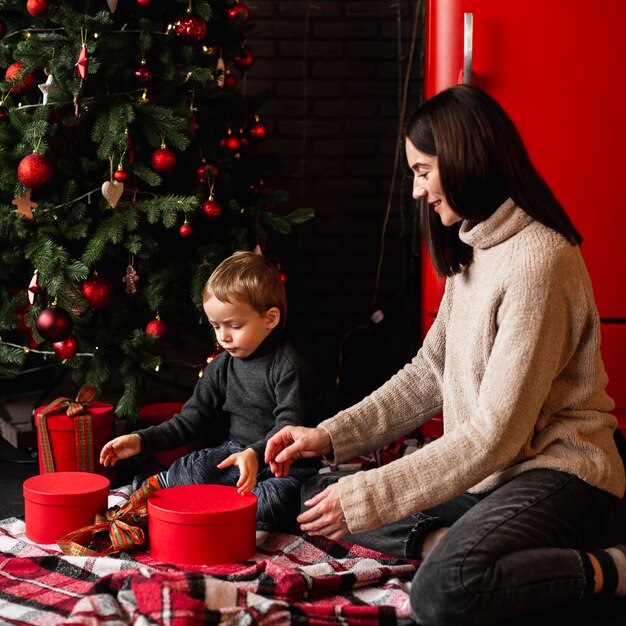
272,317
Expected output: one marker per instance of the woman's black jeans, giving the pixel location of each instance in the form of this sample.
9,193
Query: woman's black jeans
516,550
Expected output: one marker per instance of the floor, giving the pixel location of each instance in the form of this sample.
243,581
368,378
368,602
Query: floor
18,465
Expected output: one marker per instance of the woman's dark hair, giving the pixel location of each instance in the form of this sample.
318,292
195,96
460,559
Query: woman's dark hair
482,161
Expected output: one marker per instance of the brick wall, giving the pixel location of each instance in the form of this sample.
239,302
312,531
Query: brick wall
334,71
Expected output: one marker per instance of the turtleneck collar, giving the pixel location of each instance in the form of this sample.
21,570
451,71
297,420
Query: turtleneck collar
269,344
507,220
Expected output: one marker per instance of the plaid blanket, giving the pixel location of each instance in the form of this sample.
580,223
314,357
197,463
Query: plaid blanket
292,579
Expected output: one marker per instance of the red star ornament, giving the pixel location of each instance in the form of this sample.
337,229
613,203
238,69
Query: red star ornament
83,62
24,206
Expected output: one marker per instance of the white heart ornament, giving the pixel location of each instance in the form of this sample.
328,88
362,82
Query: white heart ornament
112,192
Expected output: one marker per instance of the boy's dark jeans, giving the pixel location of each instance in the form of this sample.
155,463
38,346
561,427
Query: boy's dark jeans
512,551
278,501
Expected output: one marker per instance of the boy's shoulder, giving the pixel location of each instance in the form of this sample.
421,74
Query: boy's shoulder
287,355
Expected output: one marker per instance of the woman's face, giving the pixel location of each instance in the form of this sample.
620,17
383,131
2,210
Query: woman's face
426,184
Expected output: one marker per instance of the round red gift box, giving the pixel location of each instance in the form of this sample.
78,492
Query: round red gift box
155,414
62,439
202,525
58,503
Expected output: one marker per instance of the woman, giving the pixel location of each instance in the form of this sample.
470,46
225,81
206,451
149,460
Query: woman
514,504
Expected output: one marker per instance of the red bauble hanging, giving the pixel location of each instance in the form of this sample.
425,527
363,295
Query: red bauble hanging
120,175
185,230
163,160
143,3
212,209
35,171
231,143
204,171
230,81
239,11
12,75
55,324
98,292
143,74
4,114
244,60
3,29
190,28
37,8
67,348
258,130
157,328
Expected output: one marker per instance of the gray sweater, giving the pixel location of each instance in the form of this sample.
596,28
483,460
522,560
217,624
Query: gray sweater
513,360
241,399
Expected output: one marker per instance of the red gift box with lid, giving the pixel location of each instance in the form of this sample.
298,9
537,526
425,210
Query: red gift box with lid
202,525
67,453
58,503
155,414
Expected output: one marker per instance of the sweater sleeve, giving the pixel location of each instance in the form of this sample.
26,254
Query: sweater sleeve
537,331
403,403
197,417
293,387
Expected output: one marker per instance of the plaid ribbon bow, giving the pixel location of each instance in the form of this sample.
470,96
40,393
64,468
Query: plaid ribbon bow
83,435
120,522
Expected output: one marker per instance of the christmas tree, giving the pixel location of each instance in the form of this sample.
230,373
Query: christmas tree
129,171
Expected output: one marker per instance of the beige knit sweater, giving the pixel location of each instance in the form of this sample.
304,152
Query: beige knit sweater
513,360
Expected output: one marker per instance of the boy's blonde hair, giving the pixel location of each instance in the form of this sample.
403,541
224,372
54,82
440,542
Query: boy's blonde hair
249,278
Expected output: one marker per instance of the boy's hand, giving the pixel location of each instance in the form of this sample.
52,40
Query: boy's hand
120,448
248,465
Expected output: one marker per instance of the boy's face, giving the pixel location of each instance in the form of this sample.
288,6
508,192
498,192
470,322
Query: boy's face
240,328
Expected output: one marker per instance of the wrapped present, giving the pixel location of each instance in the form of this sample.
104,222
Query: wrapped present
124,527
71,433
56,503
202,525
155,414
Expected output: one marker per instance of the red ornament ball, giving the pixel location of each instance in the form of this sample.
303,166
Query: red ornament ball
231,143
204,171
37,8
212,209
3,29
66,349
143,74
4,115
239,11
143,3
244,60
120,176
185,230
157,328
190,28
35,171
12,75
230,82
258,131
163,160
98,292
54,324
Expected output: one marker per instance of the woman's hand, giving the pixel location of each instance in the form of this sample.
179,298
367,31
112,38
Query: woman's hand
120,448
325,515
248,465
293,443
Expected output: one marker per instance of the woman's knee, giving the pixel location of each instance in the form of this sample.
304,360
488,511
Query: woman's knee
437,597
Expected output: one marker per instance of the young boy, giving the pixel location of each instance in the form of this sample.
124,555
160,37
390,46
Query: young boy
250,391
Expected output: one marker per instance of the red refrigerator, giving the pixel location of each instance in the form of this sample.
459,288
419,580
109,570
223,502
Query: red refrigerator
557,67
